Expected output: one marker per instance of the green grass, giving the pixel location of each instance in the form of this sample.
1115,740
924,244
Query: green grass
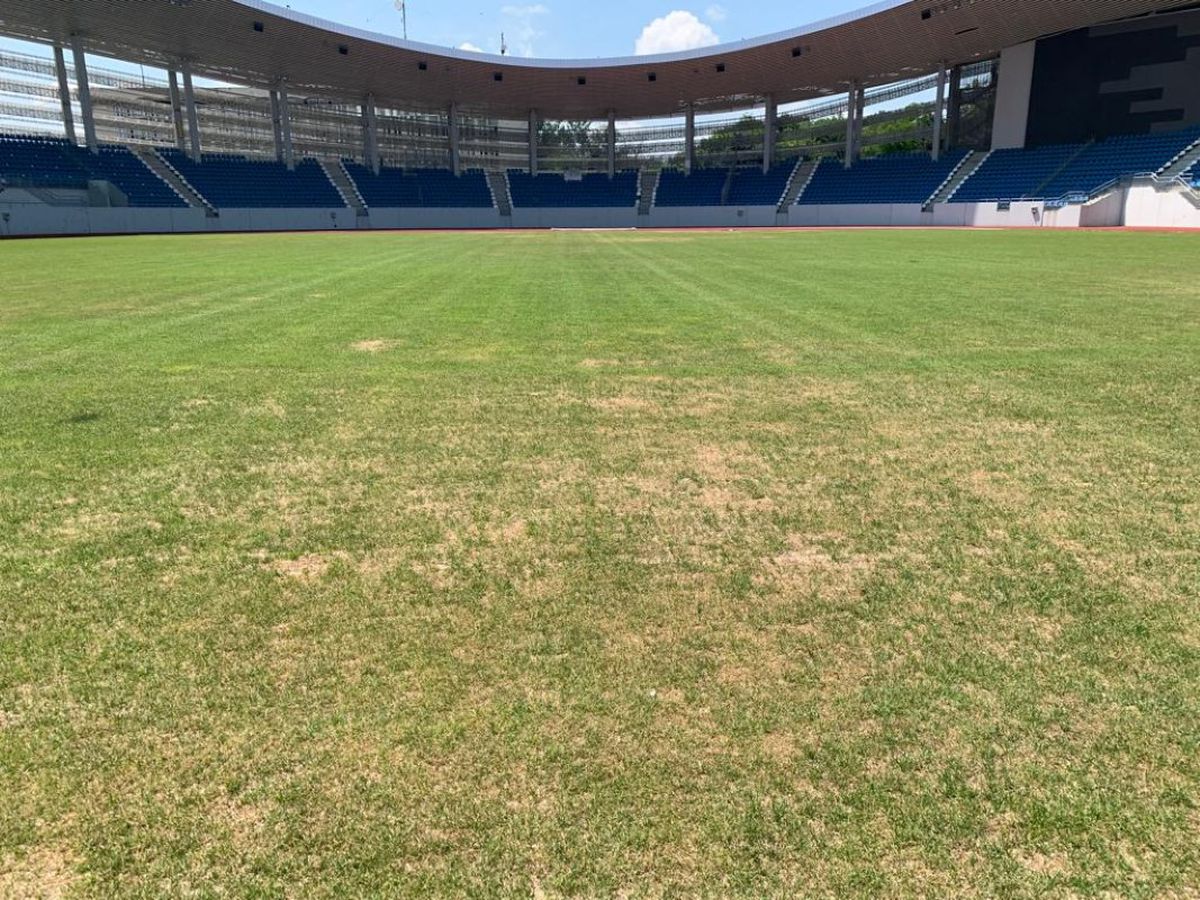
857,563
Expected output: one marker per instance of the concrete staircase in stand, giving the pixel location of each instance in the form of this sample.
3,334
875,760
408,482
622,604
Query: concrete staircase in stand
174,180
965,169
648,188
336,173
800,180
1182,163
501,194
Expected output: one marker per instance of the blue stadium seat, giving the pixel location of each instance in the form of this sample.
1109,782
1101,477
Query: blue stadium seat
1062,170
420,188
1014,174
1102,162
704,187
751,187
235,182
44,162
555,191
894,178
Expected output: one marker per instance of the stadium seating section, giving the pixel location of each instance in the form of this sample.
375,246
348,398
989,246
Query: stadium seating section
39,162
1015,174
897,178
1098,164
751,187
1064,170
417,188
1062,173
235,182
704,187
554,190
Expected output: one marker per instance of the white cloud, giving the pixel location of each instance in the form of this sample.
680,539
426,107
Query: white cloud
470,48
716,13
675,31
519,27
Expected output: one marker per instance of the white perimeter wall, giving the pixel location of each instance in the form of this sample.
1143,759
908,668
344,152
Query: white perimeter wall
944,215
1138,206
1012,96
1147,208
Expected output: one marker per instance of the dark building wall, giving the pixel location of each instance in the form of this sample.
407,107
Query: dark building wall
1133,78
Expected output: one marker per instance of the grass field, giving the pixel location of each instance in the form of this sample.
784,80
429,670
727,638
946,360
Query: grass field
777,564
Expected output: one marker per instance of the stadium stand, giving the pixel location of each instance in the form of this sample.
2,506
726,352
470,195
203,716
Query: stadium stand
895,178
1061,170
1015,174
415,188
704,187
554,190
1100,163
236,182
41,162
753,187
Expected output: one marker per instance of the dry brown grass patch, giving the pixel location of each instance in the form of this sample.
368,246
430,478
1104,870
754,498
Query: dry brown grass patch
780,747
45,873
307,568
624,403
1044,864
374,345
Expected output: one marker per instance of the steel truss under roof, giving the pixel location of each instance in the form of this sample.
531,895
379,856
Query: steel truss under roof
259,44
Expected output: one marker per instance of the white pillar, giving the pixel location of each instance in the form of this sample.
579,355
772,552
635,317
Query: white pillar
64,93
193,117
851,117
277,126
176,111
939,111
85,94
860,117
612,143
371,134
452,132
689,140
285,126
770,124
533,142
1014,88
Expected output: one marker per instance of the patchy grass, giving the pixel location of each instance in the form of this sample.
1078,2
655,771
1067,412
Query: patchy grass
601,564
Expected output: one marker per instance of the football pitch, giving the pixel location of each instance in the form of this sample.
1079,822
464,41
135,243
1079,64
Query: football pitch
601,564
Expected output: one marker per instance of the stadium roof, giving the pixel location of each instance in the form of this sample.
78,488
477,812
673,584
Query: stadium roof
257,43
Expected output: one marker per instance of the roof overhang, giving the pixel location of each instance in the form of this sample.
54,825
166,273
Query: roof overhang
883,43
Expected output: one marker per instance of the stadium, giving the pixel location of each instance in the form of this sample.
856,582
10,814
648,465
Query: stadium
757,469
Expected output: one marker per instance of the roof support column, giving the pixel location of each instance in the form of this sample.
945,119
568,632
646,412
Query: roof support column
689,140
452,132
277,126
370,134
851,120
193,118
612,143
285,126
770,127
954,112
860,116
64,93
85,94
176,110
533,142
939,111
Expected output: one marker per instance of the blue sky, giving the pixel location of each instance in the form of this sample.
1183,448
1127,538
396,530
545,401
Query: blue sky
575,28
